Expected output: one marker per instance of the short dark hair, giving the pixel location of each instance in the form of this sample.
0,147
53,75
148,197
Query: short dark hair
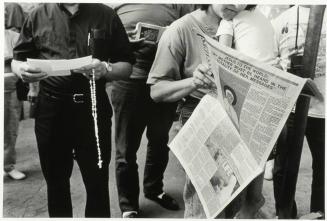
204,7
250,7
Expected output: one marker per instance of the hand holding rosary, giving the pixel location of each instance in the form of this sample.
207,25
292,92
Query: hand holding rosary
95,116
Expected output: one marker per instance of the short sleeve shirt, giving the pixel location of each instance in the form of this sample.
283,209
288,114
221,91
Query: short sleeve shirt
10,41
177,55
253,35
225,28
51,32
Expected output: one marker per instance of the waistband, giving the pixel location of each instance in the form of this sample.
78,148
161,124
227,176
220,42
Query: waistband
73,97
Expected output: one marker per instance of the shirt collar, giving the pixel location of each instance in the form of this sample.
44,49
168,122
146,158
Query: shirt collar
64,9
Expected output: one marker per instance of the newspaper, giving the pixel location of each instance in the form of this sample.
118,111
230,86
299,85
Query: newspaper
150,32
60,67
227,140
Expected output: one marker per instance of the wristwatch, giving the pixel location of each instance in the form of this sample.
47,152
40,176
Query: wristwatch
108,66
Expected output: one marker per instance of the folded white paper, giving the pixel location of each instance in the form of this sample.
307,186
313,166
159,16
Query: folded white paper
59,67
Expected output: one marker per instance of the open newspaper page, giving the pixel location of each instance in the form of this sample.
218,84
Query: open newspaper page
227,140
214,156
258,97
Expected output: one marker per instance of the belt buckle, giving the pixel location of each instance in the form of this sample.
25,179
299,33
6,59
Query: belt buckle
78,98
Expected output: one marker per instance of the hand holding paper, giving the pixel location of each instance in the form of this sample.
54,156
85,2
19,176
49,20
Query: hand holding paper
132,37
30,74
59,67
96,67
201,77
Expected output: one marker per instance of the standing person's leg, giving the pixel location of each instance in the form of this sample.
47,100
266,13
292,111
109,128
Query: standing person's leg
315,133
96,180
54,139
254,199
282,155
128,102
160,119
12,107
193,206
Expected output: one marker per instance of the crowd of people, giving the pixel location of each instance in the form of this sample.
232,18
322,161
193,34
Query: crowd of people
146,81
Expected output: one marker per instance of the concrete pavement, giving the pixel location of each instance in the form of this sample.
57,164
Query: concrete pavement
27,198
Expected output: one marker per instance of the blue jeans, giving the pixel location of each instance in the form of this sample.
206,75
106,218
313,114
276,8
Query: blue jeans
12,109
134,111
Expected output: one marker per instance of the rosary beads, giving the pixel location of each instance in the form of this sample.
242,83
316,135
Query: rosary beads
95,116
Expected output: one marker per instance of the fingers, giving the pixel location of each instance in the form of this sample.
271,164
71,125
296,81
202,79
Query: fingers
136,41
132,32
199,83
33,77
132,36
201,77
201,80
87,69
30,74
96,68
32,69
203,68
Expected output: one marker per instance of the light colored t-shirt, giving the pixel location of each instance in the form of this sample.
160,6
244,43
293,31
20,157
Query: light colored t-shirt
11,38
178,54
285,30
253,35
272,11
10,78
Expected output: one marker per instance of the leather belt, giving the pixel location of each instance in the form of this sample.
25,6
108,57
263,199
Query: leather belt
76,98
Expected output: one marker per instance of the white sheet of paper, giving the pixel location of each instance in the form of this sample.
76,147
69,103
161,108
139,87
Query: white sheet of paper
59,67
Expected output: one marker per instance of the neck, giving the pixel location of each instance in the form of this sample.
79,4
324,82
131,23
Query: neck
209,19
72,8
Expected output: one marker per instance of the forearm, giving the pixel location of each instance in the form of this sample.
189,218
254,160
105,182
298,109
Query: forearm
120,71
171,91
27,73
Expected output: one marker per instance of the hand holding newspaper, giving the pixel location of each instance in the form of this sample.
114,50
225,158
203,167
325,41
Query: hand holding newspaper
59,67
227,140
151,33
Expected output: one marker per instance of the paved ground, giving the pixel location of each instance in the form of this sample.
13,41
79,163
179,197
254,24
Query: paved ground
27,198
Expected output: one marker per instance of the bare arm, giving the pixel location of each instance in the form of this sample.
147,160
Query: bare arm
119,70
171,91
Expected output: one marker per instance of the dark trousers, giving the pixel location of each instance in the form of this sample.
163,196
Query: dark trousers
134,111
315,134
64,131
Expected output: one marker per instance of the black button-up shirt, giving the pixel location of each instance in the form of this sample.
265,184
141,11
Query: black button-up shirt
52,32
